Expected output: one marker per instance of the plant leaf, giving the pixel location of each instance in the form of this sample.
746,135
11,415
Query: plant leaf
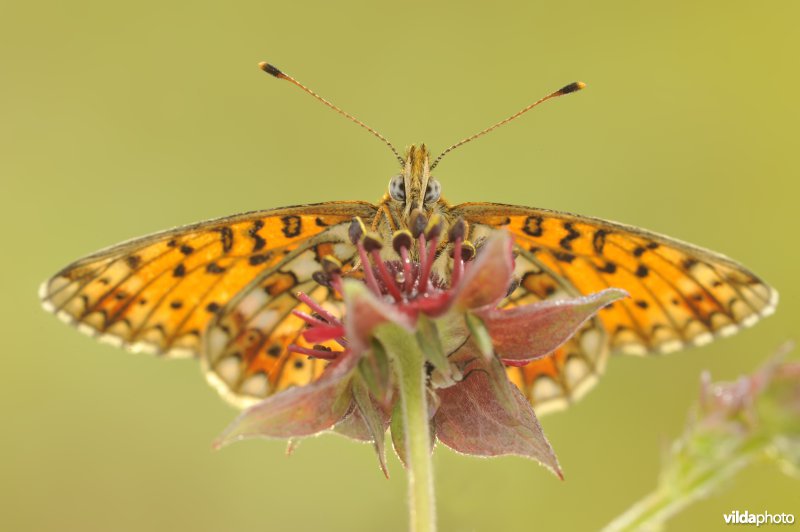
525,333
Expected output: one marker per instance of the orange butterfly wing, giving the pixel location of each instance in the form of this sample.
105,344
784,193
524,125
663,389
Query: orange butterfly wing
553,382
246,353
681,295
158,293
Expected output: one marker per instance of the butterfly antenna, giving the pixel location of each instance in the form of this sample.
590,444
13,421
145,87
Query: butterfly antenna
572,87
273,71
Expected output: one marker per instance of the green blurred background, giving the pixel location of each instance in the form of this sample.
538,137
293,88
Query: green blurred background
119,119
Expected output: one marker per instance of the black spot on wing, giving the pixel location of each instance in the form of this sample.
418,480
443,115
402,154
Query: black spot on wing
274,350
255,260
226,238
213,267
258,240
533,226
564,257
292,226
572,234
599,241
133,261
609,267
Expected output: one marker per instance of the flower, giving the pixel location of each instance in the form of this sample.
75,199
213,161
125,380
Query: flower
463,339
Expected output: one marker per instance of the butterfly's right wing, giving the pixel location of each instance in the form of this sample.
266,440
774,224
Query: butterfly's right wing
554,382
681,295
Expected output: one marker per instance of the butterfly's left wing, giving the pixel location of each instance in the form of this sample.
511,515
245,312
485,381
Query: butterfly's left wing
245,354
681,295
159,292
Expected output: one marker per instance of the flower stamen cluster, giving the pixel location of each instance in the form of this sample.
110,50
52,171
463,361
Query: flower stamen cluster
410,285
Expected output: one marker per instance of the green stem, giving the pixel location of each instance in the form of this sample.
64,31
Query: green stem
654,509
409,362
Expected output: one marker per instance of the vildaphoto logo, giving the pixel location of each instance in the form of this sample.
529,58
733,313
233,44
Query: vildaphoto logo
765,518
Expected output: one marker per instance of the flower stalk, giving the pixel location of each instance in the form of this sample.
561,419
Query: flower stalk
409,361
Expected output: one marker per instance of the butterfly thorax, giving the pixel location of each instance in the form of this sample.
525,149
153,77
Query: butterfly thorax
413,189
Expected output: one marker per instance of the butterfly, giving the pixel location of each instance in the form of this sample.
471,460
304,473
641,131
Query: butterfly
224,290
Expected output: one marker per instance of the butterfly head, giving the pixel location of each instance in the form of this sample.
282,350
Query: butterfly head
415,188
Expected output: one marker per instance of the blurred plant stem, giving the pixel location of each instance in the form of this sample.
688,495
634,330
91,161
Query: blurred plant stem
732,425
409,361
669,499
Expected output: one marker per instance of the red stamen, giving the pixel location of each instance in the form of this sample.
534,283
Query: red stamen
323,333
314,353
336,282
458,262
390,283
372,283
433,304
425,277
316,307
310,320
421,247
409,279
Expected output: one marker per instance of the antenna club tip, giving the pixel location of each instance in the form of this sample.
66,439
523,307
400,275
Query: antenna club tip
572,87
271,70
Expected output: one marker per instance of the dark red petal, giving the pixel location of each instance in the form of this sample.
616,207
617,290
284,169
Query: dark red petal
471,420
364,312
487,278
525,333
299,411
354,427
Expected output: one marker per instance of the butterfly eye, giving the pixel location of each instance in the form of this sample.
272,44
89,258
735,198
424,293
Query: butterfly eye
397,188
432,191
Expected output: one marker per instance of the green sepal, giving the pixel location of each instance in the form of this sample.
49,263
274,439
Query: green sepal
376,372
398,431
501,386
431,344
480,334
372,418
